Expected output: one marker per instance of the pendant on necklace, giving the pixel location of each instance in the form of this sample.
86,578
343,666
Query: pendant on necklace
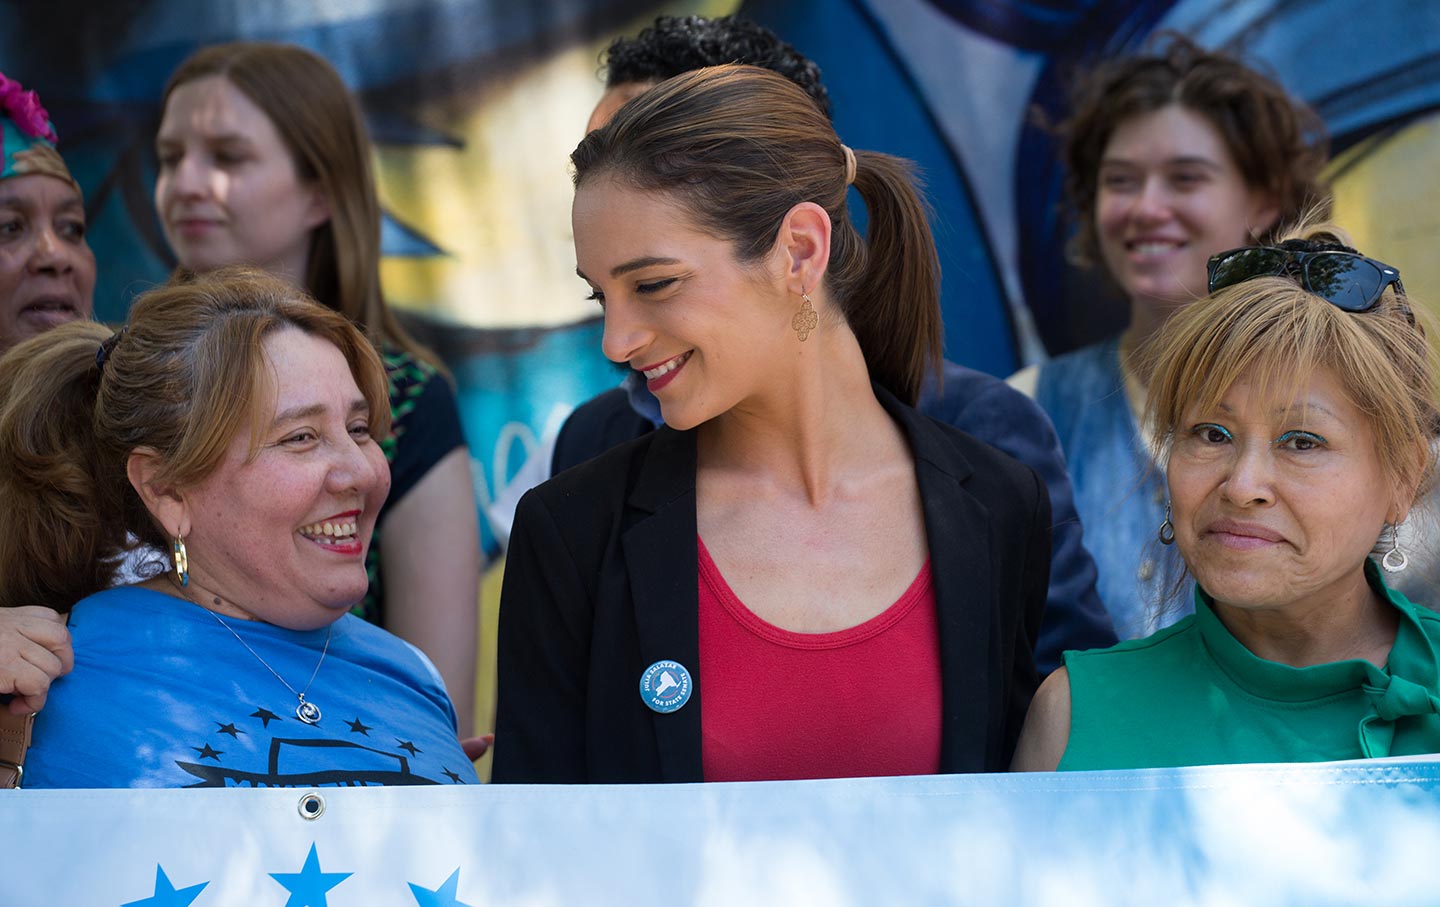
307,712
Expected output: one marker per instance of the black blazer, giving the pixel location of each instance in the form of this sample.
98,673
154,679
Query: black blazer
602,581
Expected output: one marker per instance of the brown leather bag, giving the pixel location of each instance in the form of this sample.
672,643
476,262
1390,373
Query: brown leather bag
14,741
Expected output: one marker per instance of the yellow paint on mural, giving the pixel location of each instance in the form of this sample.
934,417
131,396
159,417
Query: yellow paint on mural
500,205
500,208
1386,194
485,667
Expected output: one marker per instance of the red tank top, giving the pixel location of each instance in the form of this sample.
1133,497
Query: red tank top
779,705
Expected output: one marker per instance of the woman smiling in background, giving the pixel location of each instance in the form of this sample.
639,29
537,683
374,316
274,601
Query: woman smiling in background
1170,158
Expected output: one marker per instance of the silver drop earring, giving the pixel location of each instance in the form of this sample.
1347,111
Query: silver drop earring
1394,560
1167,528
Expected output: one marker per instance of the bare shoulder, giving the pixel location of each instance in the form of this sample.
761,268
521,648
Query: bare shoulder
1047,726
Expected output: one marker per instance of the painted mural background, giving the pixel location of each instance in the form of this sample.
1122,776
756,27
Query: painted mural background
474,106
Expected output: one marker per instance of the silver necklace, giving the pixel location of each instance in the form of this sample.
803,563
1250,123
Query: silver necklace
307,712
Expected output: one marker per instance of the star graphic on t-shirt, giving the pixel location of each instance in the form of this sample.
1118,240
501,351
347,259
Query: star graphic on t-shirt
452,776
166,894
208,753
266,716
359,727
308,886
407,746
230,729
444,896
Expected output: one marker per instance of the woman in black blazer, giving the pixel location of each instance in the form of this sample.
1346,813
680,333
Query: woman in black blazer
845,586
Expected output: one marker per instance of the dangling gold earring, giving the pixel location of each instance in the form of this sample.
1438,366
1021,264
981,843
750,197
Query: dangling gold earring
805,320
182,562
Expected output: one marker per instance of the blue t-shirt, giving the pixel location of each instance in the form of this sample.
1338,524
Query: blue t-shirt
162,695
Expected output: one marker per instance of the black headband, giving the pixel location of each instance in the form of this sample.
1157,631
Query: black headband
106,347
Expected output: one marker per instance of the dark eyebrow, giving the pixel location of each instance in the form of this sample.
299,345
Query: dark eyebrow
633,265
20,203
1181,161
638,263
1192,160
224,138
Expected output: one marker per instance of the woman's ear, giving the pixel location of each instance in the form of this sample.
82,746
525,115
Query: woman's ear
804,239
1400,508
1263,214
164,502
1408,490
318,211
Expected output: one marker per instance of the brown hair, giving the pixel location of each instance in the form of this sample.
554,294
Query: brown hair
1278,334
1277,142
698,138
321,125
186,373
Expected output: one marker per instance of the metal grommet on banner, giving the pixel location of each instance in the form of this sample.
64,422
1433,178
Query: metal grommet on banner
666,686
311,806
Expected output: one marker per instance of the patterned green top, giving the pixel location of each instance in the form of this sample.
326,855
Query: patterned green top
1192,694
425,426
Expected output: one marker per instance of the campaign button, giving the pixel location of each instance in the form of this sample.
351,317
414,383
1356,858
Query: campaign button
666,686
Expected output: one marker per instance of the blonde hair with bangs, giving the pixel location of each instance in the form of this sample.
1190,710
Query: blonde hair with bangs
1276,335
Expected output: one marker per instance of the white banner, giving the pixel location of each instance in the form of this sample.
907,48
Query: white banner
1348,833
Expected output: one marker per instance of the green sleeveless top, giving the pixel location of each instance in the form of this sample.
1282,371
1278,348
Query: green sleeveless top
1191,694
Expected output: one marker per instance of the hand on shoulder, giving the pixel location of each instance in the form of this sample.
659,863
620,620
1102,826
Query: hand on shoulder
34,650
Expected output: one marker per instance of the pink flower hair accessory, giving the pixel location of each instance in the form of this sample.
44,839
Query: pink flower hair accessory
27,139
24,108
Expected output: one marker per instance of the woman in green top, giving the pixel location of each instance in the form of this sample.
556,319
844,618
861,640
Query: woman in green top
1294,408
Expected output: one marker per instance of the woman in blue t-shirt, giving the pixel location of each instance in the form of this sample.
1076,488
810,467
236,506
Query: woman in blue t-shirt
234,424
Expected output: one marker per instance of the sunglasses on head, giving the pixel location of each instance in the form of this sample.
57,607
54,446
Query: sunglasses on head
1347,280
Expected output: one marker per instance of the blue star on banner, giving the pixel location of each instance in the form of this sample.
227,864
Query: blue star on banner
444,896
308,886
165,894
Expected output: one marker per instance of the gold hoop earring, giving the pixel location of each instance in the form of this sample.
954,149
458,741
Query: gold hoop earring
182,562
805,320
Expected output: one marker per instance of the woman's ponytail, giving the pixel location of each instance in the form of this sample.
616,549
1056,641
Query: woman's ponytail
892,302
61,523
